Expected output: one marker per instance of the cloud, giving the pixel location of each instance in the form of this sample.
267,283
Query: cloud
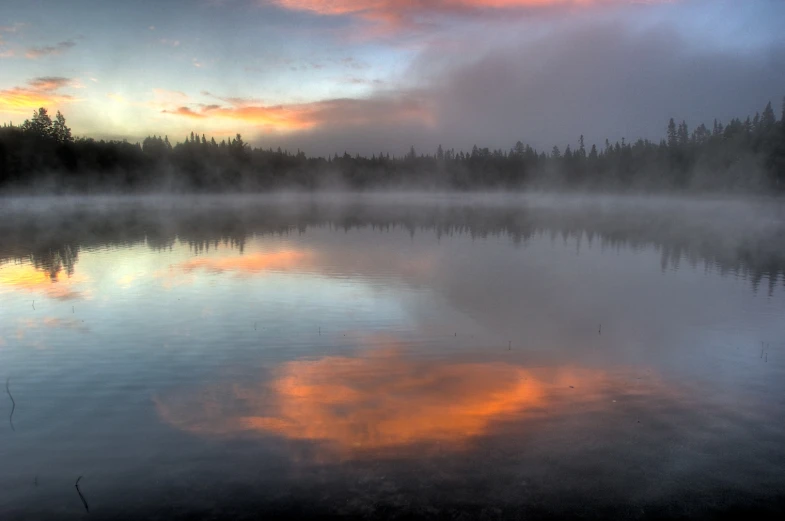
363,81
50,50
332,113
49,83
601,80
8,53
166,95
14,28
354,64
409,12
184,111
39,92
232,100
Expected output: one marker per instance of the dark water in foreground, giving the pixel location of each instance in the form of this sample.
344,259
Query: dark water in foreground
438,358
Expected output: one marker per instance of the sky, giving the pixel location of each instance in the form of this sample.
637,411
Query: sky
369,76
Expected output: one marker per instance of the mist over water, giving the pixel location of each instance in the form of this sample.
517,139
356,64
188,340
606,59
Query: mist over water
392,356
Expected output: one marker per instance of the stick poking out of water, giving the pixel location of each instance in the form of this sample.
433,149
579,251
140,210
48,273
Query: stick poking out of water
84,501
599,331
13,404
34,305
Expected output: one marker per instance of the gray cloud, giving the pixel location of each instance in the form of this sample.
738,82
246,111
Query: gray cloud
49,83
604,80
49,50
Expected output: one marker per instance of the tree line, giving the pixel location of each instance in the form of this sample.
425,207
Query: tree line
742,155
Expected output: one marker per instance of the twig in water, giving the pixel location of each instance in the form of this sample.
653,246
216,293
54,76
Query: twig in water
84,501
254,326
72,309
509,347
599,331
761,349
35,481
34,305
767,357
13,404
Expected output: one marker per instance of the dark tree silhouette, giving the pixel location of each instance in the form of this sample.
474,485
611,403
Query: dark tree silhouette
744,155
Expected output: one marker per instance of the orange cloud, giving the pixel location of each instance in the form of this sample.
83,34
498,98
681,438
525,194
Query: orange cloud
39,92
293,117
387,400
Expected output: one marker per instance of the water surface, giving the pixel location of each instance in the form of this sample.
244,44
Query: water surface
446,357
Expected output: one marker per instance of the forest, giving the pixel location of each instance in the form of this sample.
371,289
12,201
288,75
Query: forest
42,155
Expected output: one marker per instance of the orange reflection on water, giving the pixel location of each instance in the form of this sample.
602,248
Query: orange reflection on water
385,400
27,277
377,400
250,263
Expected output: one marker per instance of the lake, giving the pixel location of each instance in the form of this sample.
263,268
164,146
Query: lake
392,356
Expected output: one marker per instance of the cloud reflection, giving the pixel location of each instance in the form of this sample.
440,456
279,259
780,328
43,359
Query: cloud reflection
250,263
26,277
243,264
377,400
29,324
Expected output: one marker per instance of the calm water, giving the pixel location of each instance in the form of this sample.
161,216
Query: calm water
379,357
